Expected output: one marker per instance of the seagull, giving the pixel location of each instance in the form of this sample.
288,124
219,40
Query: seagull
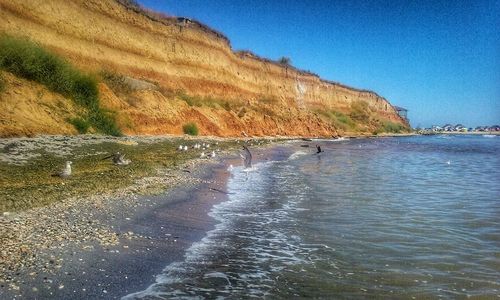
65,172
247,158
185,148
319,149
118,159
202,155
212,155
180,148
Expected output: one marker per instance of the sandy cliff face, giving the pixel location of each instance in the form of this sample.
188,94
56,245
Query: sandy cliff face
168,62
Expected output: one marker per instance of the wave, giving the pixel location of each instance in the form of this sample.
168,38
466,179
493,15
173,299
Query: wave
298,154
250,244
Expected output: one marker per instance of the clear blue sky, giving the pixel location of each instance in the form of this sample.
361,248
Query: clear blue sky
439,59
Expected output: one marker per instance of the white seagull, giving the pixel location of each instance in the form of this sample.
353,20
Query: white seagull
66,171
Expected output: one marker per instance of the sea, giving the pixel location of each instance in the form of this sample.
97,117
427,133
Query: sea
390,218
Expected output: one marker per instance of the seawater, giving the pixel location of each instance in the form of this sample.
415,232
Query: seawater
413,217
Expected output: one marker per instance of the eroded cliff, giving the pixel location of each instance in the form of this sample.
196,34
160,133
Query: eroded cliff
158,73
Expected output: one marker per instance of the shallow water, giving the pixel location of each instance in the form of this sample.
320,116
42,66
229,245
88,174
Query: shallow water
389,217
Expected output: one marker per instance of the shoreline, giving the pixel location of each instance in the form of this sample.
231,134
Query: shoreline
125,258
118,243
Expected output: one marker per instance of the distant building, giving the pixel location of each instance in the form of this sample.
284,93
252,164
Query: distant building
436,128
448,127
402,112
459,127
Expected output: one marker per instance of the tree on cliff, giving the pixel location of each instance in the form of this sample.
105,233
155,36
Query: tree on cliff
285,62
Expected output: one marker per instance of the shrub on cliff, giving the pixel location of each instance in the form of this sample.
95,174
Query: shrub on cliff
190,128
207,101
80,124
286,61
2,84
391,127
29,60
337,119
360,112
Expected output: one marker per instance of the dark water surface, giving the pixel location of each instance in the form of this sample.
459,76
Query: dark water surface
415,217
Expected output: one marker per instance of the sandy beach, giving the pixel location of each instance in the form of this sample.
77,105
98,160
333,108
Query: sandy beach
147,239
110,245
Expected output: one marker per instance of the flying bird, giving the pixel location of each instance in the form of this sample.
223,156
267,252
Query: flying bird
319,149
118,159
65,172
247,158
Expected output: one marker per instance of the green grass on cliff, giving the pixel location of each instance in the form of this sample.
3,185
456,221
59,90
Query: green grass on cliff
337,119
205,101
390,127
29,60
2,84
190,128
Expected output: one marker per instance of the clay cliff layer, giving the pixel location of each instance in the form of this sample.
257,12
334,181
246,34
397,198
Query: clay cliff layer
159,73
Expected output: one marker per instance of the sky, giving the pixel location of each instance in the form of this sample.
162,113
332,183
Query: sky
438,59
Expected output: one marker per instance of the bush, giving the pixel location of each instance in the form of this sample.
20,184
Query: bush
286,61
28,60
190,100
116,82
337,119
190,128
392,127
199,101
80,124
360,111
2,84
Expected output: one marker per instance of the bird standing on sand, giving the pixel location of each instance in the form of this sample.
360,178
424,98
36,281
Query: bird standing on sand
319,149
118,159
65,172
202,155
247,158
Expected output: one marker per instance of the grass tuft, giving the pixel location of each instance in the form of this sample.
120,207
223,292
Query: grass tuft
2,84
390,127
29,60
80,124
211,102
337,119
360,112
190,128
